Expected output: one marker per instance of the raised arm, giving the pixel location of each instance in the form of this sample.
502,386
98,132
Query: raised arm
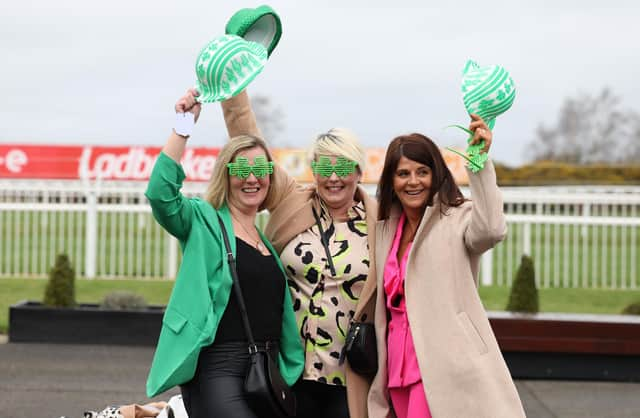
239,116
240,120
487,225
174,148
170,208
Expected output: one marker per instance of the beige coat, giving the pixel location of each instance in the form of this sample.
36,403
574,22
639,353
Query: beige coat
293,215
462,369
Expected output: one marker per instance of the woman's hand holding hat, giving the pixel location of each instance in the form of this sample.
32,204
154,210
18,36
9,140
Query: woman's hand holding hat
481,132
187,113
188,103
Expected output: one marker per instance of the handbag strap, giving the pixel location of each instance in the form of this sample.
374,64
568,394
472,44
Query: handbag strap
236,287
332,267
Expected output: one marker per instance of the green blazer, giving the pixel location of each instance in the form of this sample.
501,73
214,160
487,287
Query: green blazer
203,284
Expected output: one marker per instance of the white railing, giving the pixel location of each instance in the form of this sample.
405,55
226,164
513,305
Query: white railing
578,237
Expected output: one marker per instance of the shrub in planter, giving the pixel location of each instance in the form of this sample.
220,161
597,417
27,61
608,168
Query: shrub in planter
524,294
632,309
60,290
123,300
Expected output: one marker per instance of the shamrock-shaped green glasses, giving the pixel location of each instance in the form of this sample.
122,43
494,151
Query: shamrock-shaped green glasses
343,166
242,169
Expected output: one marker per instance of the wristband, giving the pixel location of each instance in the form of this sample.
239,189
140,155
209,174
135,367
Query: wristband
184,124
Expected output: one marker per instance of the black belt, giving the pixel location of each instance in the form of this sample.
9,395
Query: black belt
268,346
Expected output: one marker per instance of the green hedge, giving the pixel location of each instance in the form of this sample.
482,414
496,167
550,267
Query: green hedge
550,172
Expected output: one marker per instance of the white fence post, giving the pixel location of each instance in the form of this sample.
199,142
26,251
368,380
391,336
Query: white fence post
587,214
487,268
526,239
172,259
91,235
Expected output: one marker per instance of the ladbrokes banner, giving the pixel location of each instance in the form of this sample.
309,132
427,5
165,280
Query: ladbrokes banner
135,163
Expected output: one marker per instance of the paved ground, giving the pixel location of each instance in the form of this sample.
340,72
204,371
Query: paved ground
48,381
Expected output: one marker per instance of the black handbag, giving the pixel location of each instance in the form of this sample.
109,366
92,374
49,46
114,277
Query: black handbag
264,385
360,348
360,343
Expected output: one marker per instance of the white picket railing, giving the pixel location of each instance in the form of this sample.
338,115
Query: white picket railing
577,236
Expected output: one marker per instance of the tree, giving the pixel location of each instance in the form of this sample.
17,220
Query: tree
632,309
524,294
269,118
60,290
632,147
590,129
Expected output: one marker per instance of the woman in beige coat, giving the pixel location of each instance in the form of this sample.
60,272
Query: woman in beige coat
327,295
445,361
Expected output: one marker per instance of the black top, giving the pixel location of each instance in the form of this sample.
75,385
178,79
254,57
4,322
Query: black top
263,285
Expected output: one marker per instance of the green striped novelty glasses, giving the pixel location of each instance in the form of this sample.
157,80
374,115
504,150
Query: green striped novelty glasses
343,166
242,169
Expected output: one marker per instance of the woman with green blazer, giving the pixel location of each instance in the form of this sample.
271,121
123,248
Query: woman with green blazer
202,345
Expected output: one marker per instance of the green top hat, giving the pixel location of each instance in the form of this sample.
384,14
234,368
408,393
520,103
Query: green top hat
226,65
261,25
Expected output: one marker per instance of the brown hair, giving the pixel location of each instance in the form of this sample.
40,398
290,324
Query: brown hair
419,148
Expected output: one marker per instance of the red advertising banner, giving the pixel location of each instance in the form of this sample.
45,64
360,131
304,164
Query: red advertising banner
91,162
76,162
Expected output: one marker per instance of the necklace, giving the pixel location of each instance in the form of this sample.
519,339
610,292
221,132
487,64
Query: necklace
258,245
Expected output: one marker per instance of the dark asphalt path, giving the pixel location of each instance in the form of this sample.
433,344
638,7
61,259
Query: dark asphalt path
51,380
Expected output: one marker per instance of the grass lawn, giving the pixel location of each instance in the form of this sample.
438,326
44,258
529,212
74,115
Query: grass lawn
156,292
571,300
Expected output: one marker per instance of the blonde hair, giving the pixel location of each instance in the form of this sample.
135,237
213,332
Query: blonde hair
218,189
340,142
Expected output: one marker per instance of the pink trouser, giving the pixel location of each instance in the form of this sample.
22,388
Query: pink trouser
410,401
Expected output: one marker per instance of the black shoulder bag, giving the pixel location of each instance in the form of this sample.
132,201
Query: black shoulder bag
360,343
264,385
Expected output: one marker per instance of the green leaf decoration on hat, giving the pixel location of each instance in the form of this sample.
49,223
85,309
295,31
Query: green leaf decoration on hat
488,92
226,65
261,25
475,158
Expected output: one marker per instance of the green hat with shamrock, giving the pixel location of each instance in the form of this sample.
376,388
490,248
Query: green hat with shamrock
226,65
487,91
261,25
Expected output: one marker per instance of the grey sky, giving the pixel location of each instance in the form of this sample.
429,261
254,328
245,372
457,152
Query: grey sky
109,72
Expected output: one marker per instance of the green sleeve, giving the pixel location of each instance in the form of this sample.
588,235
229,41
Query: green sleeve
170,208
291,360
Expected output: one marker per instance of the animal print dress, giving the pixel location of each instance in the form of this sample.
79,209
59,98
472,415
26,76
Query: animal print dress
325,303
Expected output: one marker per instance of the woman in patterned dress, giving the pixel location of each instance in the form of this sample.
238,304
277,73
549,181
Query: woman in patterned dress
328,291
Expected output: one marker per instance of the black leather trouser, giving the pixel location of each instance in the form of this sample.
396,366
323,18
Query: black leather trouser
217,388
320,400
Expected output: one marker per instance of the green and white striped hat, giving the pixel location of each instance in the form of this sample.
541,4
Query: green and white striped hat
261,25
487,91
226,65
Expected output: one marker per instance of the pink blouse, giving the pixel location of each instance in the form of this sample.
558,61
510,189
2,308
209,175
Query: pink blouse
401,354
